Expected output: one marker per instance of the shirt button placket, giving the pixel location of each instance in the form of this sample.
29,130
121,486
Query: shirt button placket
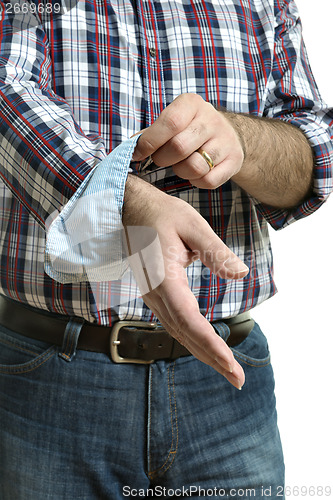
153,76
152,52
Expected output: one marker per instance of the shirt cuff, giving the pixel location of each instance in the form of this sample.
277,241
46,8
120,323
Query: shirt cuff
84,240
321,143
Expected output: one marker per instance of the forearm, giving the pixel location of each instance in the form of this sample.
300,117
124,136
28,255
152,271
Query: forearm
278,160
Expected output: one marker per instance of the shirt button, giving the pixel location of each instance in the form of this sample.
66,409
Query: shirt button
152,52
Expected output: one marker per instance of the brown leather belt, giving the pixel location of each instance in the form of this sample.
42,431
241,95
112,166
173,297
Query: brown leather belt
126,341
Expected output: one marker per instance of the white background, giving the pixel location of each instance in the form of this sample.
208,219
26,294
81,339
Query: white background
298,321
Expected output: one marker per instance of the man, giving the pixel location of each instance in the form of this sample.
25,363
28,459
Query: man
231,118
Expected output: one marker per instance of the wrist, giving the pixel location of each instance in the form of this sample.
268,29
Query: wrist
140,198
278,164
239,123
246,128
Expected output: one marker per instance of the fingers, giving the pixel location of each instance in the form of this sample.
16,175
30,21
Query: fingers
187,124
211,250
181,129
183,144
174,119
196,169
192,330
217,176
139,132
190,327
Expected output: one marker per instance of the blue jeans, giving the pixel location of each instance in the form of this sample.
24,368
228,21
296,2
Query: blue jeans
89,429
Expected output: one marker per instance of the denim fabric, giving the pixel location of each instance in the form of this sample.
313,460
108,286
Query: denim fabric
76,426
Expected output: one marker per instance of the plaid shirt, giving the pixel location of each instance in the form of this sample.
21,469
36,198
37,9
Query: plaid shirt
75,84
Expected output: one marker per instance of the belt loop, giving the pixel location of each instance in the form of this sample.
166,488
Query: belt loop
222,329
70,339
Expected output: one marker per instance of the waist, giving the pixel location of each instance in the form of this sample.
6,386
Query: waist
105,303
95,306
124,342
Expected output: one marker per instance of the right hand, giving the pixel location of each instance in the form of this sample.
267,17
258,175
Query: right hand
184,237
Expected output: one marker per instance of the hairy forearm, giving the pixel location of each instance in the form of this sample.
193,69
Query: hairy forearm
278,161
270,159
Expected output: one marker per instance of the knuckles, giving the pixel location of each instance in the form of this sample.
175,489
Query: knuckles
190,98
179,146
211,183
207,183
194,170
173,121
175,115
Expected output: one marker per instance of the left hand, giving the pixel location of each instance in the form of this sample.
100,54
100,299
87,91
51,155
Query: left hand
187,124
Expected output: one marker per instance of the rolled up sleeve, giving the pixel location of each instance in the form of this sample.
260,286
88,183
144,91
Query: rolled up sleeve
85,240
293,97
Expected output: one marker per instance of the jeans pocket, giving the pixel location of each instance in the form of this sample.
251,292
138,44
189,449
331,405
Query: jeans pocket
254,350
20,354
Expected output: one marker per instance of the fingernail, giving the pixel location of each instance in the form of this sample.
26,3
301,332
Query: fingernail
228,367
136,133
238,267
230,269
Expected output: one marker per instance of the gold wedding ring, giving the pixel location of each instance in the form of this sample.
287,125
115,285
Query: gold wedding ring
206,157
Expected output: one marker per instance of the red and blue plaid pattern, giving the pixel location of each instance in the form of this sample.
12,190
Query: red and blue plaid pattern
76,84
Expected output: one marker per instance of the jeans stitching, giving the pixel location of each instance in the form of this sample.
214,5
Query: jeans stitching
175,415
222,330
69,341
149,420
251,361
72,338
17,347
154,473
173,411
31,366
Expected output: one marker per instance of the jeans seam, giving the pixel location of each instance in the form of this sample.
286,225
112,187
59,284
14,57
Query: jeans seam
31,366
251,361
17,347
149,419
173,411
174,452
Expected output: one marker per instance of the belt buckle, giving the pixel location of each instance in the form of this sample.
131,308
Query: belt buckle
114,342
